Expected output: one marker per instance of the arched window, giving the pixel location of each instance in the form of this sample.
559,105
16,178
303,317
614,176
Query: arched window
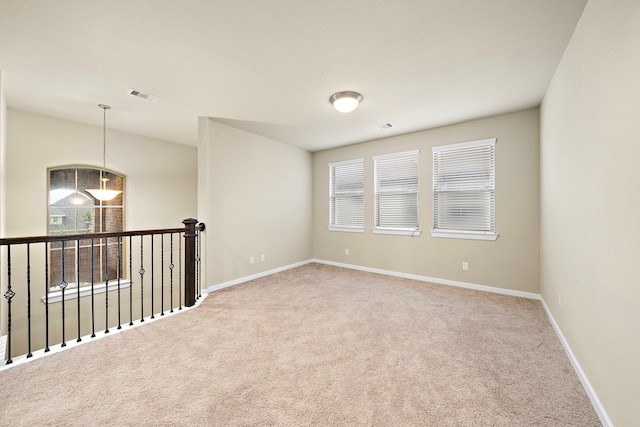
73,210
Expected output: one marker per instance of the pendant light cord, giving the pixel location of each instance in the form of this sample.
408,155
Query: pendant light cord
104,136
102,194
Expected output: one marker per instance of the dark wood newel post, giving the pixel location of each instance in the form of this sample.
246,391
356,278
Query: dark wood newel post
190,261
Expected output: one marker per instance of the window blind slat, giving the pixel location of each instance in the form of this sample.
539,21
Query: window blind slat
396,191
464,187
346,194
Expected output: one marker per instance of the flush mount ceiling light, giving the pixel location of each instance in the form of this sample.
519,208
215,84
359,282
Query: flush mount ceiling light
102,193
345,102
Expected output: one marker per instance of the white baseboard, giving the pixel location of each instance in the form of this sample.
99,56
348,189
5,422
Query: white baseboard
597,405
233,282
434,280
3,347
72,343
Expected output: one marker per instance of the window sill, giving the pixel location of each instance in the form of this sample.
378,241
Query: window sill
397,231
346,229
56,296
469,235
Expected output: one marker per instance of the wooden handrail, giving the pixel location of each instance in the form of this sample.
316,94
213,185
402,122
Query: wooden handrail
66,237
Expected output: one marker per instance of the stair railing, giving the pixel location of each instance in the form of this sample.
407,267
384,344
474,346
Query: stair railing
78,287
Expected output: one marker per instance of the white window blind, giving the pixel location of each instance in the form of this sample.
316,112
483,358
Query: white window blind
464,190
346,195
396,193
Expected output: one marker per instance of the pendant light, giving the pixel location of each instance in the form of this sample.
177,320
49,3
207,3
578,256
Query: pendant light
102,193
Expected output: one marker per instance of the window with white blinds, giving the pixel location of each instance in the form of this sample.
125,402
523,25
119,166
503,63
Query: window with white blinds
396,193
346,196
464,190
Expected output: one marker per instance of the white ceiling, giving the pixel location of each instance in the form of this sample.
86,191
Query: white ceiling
269,67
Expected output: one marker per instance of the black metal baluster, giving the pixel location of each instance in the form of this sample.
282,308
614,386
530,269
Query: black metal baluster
93,281
46,296
63,286
78,284
9,294
130,280
152,269
119,278
141,278
105,276
171,266
29,299
162,274
180,274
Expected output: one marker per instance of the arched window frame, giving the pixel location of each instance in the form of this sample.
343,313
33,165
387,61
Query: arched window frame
73,210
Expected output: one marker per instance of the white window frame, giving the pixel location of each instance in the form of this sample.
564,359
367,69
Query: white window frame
72,292
356,225
487,188
411,189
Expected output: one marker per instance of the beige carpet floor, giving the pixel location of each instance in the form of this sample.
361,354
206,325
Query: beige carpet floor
315,345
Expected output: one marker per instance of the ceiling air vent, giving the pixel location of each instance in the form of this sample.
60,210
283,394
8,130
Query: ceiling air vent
385,126
145,96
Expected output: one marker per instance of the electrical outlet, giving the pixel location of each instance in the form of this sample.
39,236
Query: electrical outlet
346,251
465,266
262,258
251,260
559,301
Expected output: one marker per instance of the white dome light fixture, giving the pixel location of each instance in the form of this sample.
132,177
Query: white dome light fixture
345,102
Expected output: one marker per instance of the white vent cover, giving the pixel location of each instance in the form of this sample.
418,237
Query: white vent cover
145,96
385,126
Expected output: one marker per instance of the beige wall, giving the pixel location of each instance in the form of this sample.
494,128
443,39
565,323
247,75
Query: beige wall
3,134
510,262
590,202
255,198
161,191
161,177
